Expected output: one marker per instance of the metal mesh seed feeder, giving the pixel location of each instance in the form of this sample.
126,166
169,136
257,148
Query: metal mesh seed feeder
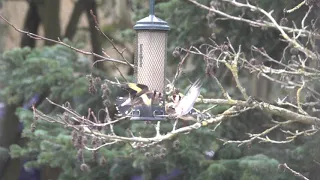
150,62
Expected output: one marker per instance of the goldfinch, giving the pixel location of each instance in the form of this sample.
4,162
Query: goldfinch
147,98
139,95
190,116
185,104
135,90
181,106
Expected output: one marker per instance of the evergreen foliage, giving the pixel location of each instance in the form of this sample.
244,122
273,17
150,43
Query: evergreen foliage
60,74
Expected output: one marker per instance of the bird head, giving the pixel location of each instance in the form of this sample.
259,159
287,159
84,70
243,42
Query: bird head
170,108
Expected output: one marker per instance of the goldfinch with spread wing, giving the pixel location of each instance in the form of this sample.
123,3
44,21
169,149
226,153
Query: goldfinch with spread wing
147,98
186,103
139,95
181,106
135,90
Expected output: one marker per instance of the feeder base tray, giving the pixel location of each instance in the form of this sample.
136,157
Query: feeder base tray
147,113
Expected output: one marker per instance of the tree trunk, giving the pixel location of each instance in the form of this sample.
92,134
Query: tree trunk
49,12
31,24
10,135
71,29
9,127
94,34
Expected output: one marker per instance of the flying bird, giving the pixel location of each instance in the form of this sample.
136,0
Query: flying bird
183,105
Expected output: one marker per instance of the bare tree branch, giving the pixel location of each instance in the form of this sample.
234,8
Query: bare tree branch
38,37
285,166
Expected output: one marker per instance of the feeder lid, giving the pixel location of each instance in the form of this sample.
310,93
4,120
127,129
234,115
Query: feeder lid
151,23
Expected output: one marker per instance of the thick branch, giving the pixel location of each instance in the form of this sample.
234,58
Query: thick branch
268,108
78,9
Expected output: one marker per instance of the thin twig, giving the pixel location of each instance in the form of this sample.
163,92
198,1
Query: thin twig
285,166
38,37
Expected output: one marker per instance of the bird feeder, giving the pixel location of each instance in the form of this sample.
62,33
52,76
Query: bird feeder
150,60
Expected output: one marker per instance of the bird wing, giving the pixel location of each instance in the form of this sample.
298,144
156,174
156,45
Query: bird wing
186,103
143,99
135,90
139,95
123,106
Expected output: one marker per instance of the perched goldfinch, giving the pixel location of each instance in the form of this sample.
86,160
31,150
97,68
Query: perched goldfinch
135,90
139,95
147,98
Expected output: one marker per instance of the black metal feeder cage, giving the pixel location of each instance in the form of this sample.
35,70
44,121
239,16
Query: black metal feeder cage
150,63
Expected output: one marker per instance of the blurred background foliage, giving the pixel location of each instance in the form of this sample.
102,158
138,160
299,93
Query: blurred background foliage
57,72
